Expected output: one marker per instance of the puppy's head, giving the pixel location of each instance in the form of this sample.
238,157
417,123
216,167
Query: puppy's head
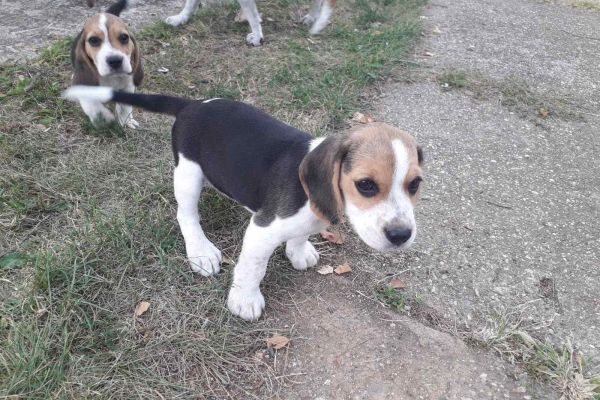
372,176
106,46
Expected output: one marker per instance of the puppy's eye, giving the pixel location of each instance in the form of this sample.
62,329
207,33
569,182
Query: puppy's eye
124,38
413,186
366,187
94,41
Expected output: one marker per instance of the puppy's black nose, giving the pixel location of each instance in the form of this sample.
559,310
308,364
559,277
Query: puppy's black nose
398,235
114,62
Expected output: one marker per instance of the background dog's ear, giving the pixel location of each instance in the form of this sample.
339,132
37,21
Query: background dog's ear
84,71
320,172
136,64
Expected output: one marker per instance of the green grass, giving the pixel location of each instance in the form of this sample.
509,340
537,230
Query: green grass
89,220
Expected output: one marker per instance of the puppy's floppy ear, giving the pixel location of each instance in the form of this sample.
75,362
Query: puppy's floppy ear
420,155
84,70
136,64
320,173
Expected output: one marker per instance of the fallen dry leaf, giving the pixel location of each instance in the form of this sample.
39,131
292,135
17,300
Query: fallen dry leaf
325,270
397,283
342,269
277,342
141,308
362,118
334,237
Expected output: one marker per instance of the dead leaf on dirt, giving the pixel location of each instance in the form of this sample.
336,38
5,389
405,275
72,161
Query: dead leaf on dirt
362,118
334,237
141,308
397,284
325,270
277,342
342,269
377,33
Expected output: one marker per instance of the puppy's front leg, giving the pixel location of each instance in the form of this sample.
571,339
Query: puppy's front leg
301,253
96,112
245,299
125,112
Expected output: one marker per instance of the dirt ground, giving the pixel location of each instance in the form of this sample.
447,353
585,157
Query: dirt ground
510,207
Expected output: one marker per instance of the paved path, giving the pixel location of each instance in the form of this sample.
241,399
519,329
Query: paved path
511,215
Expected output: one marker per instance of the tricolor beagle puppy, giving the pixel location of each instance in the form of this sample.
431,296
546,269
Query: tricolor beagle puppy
106,54
293,184
319,17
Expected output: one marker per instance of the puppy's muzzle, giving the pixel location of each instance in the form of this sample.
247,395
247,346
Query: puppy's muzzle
398,235
115,62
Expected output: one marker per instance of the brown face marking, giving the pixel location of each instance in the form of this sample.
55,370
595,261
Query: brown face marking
371,156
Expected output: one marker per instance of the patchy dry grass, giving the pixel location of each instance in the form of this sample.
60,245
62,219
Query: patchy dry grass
88,219
514,94
508,334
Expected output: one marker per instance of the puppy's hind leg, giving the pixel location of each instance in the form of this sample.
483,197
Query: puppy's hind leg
319,15
254,38
204,257
185,14
301,253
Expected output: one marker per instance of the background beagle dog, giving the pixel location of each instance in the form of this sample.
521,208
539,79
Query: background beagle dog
105,53
319,17
294,185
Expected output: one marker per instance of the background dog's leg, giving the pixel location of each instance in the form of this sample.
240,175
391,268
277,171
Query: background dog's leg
204,257
96,112
245,299
254,38
301,253
125,112
185,14
319,14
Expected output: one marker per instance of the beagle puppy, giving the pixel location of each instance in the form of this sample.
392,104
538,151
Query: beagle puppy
319,15
293,184
105,53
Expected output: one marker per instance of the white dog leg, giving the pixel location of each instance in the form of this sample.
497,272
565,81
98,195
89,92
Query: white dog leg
204,257
255,37
125,112
185,14
96,112
301,253
321,18
245,299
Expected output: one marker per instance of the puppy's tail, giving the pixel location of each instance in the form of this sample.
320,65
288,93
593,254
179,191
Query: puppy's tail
150,102
120,6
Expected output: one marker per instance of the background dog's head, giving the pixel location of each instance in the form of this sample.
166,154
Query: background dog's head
105,47
372,176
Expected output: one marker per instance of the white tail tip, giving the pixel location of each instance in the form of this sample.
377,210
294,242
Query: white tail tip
100,94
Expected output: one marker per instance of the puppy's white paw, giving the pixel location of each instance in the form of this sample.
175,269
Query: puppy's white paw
246,304
176,20
132,123
302,257
204,257
308,19
103,117
254,40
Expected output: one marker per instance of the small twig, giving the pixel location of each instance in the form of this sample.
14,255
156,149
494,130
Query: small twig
581,36
499,205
